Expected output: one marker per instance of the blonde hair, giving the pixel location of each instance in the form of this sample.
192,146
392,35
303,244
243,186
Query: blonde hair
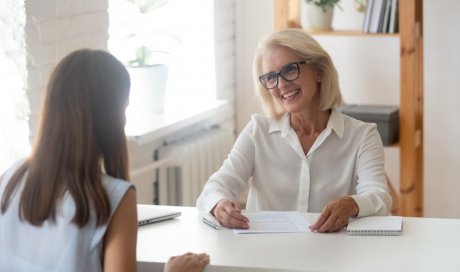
308,49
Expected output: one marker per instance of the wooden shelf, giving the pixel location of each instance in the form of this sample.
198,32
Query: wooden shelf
410,197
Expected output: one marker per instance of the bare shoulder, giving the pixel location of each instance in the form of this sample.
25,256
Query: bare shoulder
124,219
121,236
127,205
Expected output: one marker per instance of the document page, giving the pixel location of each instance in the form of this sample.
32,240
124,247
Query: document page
274,222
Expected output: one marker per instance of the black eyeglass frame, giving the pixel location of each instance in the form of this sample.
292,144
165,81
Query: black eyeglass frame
280,73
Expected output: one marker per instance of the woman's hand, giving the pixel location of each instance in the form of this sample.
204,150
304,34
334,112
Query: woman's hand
189,262
335,215
229,215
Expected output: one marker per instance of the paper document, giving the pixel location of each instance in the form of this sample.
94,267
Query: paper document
274,222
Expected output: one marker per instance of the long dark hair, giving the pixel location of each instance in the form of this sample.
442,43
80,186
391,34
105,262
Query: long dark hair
81,135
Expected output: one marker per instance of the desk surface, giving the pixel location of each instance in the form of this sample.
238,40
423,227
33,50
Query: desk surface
427,244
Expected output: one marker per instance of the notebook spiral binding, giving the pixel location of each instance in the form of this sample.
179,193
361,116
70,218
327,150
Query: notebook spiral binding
374,232
376,226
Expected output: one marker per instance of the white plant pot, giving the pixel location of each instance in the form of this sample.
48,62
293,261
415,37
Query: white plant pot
148,89
315,18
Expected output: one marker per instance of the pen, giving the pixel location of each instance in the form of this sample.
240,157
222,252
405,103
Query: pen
211,224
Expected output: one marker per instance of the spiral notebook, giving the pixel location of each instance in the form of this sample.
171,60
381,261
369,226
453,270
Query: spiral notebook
376,226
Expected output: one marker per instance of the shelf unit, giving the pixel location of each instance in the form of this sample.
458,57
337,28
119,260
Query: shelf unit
409,200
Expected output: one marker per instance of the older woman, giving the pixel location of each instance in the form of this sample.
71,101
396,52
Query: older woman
303,154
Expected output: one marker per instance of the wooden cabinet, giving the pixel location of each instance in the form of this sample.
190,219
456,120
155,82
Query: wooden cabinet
410,196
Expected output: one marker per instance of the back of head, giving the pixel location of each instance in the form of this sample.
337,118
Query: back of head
104,96
82,124
306,48
84,106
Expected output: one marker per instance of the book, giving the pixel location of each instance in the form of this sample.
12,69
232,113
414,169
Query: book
367,16
376,19
376,226
386,17
394,17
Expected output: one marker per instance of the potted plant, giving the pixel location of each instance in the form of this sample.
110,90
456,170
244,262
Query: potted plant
144,49
149,76
318,14
144,36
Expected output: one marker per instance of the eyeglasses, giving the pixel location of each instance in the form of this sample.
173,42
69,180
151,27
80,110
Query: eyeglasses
289,72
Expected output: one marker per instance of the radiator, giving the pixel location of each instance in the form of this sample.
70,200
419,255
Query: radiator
182,167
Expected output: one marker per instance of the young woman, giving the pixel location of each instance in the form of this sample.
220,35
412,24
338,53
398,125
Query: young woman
69,206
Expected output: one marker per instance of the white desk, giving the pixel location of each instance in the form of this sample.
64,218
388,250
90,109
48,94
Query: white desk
426,244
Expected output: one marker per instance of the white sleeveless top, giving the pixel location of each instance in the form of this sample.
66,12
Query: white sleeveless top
60,246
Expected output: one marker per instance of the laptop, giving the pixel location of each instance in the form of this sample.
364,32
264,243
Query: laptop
147,214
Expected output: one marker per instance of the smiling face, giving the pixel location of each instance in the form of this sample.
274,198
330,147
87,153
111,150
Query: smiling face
301,94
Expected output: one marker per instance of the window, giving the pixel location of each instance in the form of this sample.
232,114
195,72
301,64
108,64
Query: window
183,28
178,34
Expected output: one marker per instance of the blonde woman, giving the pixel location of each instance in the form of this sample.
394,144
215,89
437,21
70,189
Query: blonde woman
302,155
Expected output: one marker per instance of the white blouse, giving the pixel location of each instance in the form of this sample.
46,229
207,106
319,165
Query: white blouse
347,158
59,246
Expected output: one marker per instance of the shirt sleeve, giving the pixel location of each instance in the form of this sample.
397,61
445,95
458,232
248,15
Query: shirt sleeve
373,197
231,180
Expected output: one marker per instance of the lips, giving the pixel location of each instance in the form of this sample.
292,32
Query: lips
290,94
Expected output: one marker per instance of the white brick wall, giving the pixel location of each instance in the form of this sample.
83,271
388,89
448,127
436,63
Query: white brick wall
14,108
35,35
53,29
68,8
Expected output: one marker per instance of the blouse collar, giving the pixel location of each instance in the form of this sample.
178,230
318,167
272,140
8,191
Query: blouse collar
335,123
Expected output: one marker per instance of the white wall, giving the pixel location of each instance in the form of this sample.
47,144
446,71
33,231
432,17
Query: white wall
225,49
442,108
253,21
53,29
369,73
14,107
35,34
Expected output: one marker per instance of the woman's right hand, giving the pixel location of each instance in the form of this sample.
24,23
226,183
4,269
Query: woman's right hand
229,215
189,262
